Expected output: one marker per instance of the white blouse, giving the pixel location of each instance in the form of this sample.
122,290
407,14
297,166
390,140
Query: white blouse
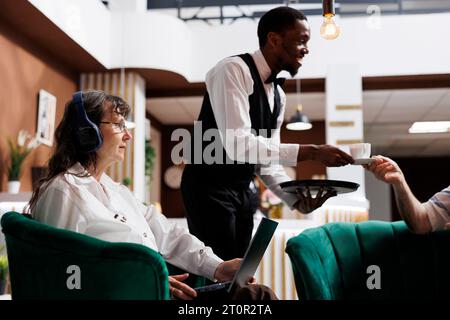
109,211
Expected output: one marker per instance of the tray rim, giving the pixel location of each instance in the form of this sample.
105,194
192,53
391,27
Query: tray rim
351,186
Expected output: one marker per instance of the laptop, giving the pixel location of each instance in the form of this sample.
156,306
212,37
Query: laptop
249,264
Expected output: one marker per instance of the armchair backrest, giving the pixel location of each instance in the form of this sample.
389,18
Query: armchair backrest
331,261
49,263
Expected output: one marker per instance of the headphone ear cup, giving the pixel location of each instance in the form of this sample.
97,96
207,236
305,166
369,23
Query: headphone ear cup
87,133
89,138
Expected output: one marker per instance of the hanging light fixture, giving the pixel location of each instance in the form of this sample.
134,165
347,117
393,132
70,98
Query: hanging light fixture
299,121
329,30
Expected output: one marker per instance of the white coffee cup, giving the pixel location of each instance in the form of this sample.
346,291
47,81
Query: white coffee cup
360,150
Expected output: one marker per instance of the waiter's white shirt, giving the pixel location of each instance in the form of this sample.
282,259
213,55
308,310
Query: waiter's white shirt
98,208
229,85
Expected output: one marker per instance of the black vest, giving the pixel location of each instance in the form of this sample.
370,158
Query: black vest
230,172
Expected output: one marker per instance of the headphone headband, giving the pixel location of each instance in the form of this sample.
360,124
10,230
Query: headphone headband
87,133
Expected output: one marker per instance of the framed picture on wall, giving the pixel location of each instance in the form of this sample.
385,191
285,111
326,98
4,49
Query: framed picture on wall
46,117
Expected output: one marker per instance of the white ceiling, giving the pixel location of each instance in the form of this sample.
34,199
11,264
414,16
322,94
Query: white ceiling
387,116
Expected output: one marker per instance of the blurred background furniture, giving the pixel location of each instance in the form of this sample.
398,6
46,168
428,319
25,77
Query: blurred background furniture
331,261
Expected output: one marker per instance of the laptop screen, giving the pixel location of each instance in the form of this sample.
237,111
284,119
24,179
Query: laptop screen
254,253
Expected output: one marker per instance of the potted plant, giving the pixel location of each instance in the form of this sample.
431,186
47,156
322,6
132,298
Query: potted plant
3,273
150,155
17,154
126,182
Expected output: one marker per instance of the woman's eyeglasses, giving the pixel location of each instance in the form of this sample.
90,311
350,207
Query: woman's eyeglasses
119,127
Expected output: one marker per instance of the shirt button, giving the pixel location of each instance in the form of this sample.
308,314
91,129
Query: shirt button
145,235
201,251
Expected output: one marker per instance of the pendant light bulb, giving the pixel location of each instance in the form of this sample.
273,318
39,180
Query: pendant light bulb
329,30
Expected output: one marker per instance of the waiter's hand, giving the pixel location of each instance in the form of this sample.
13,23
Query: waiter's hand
180,290
226,270
328,155
332,156
307,203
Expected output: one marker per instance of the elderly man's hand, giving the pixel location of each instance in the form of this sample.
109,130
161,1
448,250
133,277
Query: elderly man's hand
386,170
307,203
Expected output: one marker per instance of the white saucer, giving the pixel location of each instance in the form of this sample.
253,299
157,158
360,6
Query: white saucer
363,161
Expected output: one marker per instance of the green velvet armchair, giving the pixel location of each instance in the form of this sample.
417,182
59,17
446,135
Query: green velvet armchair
339,261
50,263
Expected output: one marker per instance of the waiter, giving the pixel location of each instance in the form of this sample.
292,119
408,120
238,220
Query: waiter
245,103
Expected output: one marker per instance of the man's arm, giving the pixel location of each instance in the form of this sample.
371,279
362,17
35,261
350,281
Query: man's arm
328,155
229,86
411,210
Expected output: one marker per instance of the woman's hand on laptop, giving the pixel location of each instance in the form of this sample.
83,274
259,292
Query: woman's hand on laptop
180,290
226,270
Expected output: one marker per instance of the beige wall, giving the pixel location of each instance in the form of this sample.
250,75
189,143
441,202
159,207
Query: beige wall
24,70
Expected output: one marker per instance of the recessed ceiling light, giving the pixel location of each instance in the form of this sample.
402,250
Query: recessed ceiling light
430,127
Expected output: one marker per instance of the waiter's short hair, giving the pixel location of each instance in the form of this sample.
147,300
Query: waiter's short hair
277,20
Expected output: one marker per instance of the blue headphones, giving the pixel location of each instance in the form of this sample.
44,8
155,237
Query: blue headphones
87,133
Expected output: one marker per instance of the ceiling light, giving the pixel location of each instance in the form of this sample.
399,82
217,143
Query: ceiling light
299,121
430,127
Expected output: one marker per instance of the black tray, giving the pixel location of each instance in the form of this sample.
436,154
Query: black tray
296,186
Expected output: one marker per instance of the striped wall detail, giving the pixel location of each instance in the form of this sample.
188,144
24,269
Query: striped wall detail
345,142
341,123
348,107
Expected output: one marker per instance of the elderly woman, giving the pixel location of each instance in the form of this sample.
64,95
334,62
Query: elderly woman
77,194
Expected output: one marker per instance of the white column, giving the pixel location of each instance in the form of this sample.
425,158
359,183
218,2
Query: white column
139,138
345,125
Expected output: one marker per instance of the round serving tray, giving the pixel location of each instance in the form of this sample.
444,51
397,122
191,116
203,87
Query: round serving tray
296,186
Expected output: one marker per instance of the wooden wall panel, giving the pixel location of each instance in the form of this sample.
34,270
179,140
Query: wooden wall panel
25,69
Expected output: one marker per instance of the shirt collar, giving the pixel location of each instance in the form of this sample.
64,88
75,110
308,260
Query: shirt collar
262,65
78,169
